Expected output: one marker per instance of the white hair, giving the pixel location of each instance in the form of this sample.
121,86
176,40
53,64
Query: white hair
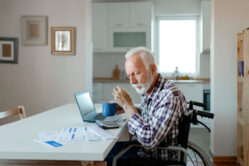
145,54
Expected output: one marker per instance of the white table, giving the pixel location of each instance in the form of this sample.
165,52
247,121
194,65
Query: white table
16,140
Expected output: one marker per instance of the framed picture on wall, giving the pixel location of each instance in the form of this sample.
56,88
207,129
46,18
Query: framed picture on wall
63,40
8,50
34,30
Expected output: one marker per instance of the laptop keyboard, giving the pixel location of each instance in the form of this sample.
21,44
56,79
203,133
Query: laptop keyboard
114,118
99,117
94,116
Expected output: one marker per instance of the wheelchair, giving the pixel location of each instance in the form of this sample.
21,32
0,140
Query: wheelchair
189,152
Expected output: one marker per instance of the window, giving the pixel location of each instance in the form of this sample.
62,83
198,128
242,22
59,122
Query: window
177,45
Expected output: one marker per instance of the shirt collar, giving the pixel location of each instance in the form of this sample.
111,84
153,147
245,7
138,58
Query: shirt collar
155,88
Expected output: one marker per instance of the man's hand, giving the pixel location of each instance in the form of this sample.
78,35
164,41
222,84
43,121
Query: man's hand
124,100
121,97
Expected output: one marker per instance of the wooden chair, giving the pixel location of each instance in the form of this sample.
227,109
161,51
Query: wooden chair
19,110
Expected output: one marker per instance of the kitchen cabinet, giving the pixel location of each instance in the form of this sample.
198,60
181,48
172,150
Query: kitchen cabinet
141,14
191,91
129,25
205,25
119,14
100,27
122,39
133,14
117,27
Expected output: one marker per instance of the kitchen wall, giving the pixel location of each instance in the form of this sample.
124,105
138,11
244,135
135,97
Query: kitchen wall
204,65
161,8
229,18
104,63
41,81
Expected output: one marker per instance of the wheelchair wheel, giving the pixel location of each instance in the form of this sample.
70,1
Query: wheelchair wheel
196,156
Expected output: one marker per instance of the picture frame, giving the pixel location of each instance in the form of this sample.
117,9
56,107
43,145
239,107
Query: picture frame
63,40
8,50
34,30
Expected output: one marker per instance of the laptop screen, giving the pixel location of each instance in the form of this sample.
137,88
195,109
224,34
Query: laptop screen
84,102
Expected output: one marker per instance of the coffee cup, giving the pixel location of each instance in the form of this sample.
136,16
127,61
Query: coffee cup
108,108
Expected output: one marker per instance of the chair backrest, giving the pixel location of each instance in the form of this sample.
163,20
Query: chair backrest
19,110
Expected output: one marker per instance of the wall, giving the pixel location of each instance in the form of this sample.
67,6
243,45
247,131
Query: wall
204,66
41,81
230,17
104,63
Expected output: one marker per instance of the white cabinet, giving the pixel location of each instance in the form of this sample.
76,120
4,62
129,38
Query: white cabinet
141,14
100,27
191,91
119,14
206,25
134,14
122,39
117,27
129,25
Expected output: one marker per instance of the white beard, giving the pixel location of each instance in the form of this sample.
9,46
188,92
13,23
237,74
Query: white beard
143,88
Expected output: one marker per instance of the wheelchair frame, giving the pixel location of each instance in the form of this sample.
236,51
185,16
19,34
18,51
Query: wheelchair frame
190,117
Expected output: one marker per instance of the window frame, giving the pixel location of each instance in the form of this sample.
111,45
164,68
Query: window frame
179,17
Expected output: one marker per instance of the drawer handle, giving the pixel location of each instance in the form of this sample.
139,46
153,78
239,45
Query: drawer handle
140,24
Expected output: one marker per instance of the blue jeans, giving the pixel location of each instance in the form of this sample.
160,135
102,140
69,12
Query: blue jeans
132,153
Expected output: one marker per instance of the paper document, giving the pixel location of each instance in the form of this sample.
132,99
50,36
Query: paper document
58,138
101,133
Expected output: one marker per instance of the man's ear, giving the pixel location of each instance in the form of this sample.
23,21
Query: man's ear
153,68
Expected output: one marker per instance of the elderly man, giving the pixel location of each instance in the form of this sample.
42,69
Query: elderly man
163,104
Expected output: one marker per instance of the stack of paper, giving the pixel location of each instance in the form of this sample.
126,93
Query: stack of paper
58,138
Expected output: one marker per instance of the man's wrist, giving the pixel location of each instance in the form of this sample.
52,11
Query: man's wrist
130,109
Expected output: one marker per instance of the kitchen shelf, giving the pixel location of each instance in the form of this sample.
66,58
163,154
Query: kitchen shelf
243,99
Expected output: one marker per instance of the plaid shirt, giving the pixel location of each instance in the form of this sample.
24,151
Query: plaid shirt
160,114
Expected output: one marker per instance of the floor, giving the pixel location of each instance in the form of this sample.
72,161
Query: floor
201,137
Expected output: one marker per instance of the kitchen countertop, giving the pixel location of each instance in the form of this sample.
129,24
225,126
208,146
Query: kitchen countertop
111,80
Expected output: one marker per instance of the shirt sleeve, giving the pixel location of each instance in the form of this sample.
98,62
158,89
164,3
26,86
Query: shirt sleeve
152,132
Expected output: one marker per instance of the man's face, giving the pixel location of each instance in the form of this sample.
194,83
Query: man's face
140,79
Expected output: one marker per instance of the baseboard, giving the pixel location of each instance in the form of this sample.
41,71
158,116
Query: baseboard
225,160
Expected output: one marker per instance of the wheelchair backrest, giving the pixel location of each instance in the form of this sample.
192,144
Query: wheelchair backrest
184,128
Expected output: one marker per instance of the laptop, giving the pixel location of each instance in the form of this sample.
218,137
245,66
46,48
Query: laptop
87,109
